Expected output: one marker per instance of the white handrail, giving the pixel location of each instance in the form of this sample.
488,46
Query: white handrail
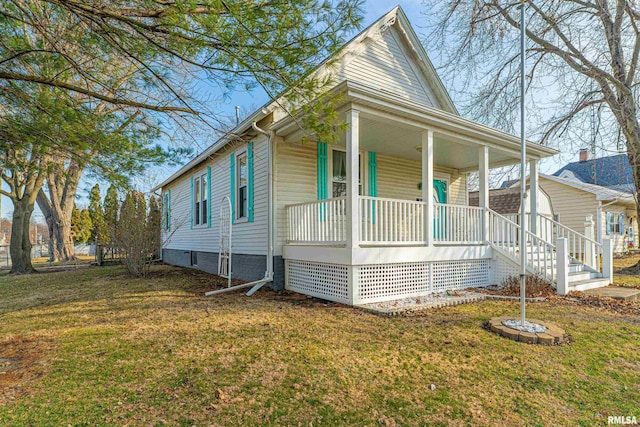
504,236
457,224
581,248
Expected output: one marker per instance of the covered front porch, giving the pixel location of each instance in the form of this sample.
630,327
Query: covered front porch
359,242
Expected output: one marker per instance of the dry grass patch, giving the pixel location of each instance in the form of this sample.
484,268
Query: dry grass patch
156,352
625,272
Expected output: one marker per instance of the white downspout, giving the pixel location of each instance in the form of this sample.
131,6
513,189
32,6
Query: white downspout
268,275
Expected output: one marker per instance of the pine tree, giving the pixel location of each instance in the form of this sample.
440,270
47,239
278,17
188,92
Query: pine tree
98,231
154,220
111,208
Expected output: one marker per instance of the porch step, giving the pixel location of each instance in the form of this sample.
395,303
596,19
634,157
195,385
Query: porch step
581,275
583,285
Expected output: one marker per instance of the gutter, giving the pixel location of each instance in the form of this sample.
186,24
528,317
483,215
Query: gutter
268,275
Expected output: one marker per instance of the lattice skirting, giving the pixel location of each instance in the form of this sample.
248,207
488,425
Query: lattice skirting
326,281
383,282
501,268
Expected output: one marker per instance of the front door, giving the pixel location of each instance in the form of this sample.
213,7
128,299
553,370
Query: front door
439,217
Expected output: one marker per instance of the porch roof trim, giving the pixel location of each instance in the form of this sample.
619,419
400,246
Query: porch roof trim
427,118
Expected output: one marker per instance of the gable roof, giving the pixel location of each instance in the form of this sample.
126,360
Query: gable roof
612,171
602,193
394,18
504,201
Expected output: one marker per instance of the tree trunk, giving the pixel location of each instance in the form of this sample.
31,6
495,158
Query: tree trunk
20,246
58,208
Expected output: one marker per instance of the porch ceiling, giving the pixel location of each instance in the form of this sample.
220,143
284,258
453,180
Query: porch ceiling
386,136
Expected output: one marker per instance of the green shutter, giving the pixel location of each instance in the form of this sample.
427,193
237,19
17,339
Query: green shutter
168,210
232,186
191,204
373,174
208,196
323,171
250,182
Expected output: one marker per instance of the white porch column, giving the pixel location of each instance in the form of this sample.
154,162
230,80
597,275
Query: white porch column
534,192
562,266
353,165
427,185
607,259
483,178
590,249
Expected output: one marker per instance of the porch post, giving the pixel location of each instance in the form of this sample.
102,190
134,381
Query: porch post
353,166
534,191
483,177
427,185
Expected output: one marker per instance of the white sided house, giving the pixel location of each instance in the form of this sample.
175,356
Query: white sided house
352,222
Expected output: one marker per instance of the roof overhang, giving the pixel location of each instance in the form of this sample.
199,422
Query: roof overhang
454,127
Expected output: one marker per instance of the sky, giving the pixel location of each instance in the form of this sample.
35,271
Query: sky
248,101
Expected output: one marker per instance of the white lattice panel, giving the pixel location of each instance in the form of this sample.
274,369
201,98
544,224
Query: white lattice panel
391,281
501,268
453,275
326,281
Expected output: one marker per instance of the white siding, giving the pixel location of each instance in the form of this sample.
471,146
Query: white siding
618,239
248,237
295,182
383,62
399,179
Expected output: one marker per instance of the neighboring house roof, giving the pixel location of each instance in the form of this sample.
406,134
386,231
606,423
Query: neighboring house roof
504,201
613,171
601,193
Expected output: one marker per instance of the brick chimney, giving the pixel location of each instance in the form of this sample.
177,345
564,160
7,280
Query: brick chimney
584,155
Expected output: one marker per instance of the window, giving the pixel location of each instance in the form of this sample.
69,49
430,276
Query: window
615,223
339,174
200,208
242,186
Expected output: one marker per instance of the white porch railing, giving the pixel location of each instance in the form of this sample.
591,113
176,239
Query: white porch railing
319,222
457,224
580,247
391,221
383,222
504,235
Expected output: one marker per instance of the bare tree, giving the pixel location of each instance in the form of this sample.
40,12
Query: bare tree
582,58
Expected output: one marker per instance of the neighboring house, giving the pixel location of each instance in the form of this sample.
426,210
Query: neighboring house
614,212
613,172
506,202
351,221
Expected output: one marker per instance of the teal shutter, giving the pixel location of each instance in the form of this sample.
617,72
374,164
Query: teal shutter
373,174
608,219
323,171
373,182
168,210
621,221
209,196
250,182
232,186
191,204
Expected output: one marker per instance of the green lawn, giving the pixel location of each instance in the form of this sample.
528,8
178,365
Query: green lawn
94,347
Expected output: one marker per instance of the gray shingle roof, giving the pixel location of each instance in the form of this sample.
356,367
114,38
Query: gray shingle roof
613,171
504,201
